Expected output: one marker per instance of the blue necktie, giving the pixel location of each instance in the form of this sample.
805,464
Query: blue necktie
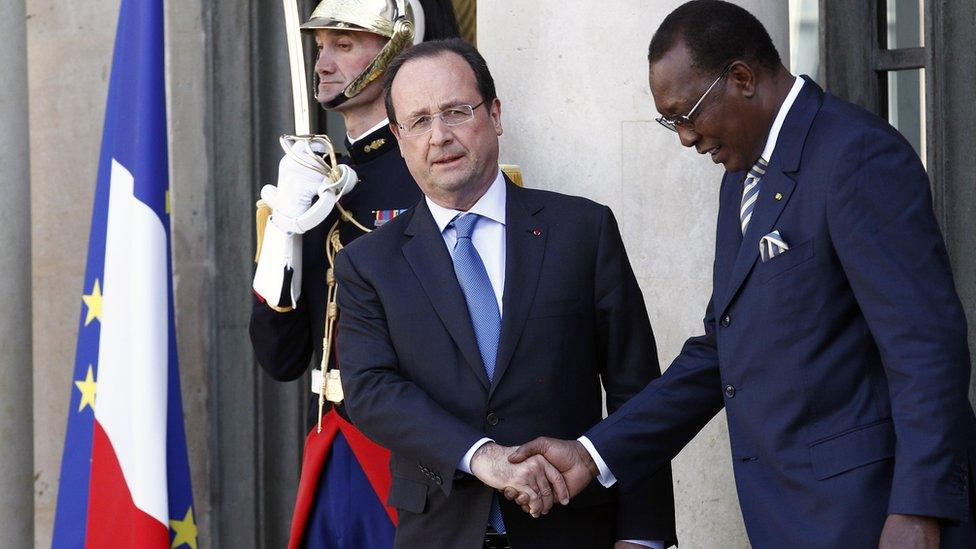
478,293
483,310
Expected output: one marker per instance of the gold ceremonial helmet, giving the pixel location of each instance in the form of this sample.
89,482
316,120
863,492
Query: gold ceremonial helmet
393,19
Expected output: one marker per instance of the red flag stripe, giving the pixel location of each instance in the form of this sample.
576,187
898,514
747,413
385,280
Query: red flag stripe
113,519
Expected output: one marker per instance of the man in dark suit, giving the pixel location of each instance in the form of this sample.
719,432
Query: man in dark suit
484,316
834,338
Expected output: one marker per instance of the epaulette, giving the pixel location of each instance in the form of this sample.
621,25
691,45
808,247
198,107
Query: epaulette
261,216
514,172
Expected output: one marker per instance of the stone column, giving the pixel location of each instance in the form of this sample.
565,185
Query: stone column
16,376
579,119
69,57
192,230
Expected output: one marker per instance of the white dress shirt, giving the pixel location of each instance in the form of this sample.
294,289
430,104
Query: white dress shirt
488,235
606,477
488,238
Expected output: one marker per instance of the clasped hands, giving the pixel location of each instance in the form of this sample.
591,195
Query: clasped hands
545,470
537,474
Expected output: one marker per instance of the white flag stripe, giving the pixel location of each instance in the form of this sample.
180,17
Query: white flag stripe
132,351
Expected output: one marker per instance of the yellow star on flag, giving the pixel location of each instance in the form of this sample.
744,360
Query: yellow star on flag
87,388
94,303
185,531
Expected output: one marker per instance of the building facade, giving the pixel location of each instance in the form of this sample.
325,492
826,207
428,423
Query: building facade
578,118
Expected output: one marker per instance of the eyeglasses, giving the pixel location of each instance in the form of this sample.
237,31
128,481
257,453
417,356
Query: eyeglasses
451,116
687,120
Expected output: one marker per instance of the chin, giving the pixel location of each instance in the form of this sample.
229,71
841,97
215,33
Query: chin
735,165
325,96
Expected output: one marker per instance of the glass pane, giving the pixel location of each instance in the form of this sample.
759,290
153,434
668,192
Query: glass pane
905,23
906,106
805,37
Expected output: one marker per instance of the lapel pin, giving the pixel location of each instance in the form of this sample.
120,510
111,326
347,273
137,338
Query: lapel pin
536,232
778,196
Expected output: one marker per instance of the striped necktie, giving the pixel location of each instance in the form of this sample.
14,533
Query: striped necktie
483,310
750,193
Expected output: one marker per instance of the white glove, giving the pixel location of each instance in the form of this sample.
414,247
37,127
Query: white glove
300,180
297,184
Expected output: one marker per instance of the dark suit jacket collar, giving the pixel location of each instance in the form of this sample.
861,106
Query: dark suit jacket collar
789,146
526,234
735,254
427,255
525,241
372,146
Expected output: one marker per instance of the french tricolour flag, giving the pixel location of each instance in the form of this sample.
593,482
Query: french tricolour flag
125,479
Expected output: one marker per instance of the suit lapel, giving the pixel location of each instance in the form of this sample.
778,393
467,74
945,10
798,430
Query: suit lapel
525,245
773,196
728,239
431,262
777,188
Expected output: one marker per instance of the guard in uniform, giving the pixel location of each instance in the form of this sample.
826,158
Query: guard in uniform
345,477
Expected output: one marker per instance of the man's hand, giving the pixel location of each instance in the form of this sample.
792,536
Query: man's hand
910,531
297,184
568,456
533,481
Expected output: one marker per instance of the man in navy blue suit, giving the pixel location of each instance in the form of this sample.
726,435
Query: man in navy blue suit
484,316
834,338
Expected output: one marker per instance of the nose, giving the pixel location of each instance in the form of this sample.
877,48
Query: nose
440,133
324,63
687,136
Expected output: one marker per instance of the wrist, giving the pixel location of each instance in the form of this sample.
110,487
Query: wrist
587,460
481,455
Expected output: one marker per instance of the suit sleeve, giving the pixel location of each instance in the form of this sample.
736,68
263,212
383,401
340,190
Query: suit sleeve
386,406
282,341
628,363
880,219
648,430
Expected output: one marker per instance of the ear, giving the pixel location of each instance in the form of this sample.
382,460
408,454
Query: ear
396,133
743,77
495,112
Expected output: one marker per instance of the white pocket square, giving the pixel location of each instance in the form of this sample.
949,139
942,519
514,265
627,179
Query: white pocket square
772,245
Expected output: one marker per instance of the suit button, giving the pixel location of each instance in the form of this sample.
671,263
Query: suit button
492,419
730,391
726,320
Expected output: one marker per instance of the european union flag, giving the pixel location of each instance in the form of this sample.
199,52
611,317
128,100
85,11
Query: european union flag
125,477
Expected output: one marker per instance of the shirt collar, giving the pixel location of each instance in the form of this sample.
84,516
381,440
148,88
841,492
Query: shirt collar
490,205
352,140
784,109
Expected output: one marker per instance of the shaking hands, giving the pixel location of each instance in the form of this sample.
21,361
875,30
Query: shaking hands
536,474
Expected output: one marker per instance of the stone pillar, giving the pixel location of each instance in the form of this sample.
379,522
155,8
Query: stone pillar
187,101
69,56
579,119
16,376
